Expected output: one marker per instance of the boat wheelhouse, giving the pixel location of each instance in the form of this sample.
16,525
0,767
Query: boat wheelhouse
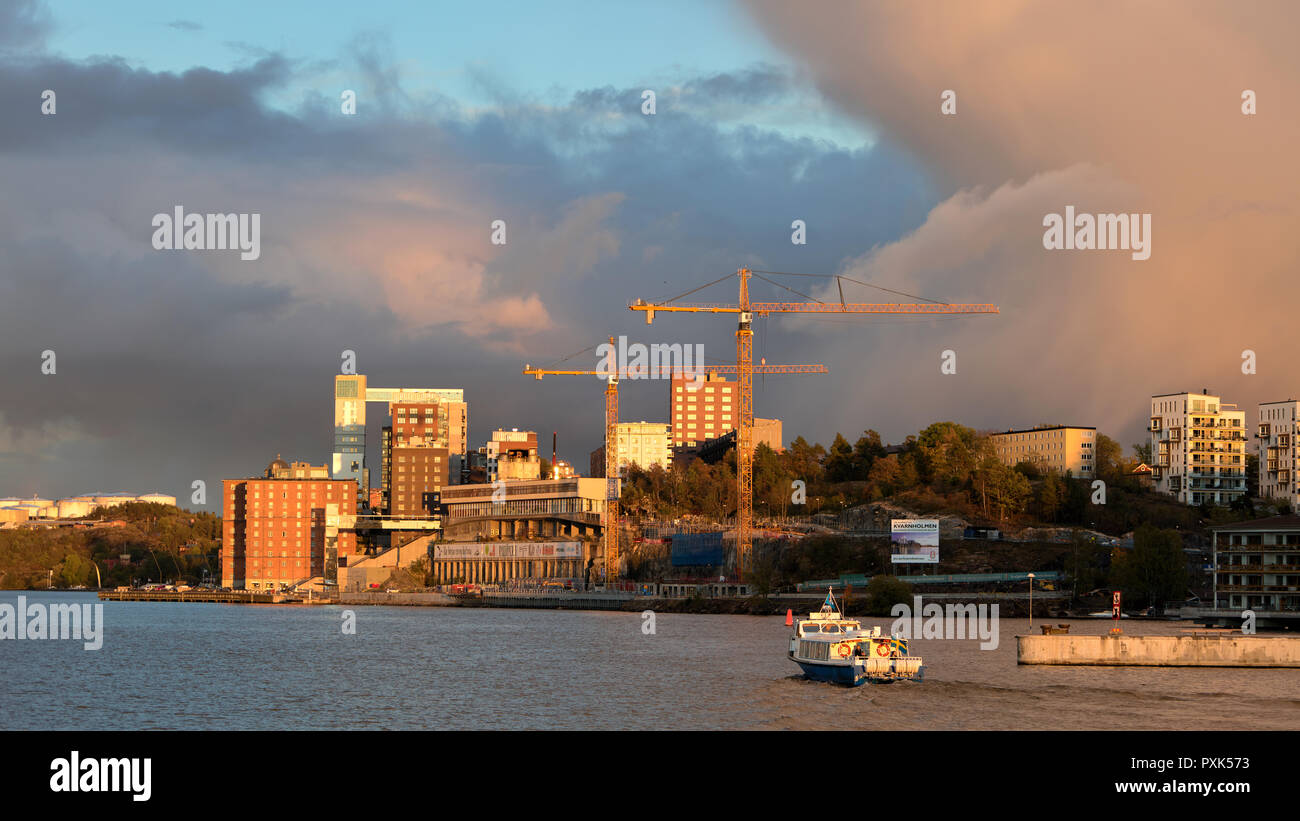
829,647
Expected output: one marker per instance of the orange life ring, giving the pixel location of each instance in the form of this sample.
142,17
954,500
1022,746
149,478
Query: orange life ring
844,651
882,649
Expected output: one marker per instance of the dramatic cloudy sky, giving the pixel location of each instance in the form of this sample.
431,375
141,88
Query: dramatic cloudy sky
175,366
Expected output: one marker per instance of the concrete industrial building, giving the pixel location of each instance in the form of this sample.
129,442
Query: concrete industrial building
511,455
1277,457
289,525
644,444
1199,447
1062,448
702,409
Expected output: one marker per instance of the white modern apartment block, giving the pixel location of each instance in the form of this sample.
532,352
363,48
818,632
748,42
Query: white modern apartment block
1199,447
1277,457
644,444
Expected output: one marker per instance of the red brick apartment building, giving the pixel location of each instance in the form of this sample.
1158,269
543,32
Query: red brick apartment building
702,409
286,526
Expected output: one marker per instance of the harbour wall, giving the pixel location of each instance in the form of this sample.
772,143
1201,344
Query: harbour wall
425,599
1160,651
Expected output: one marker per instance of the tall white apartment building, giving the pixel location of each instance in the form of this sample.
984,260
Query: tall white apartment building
1277,456
1199,447
645,444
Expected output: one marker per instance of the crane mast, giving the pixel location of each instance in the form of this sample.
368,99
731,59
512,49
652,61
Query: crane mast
745,370
612,374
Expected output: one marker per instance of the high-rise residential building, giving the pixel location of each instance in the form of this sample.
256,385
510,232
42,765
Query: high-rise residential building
702,408
418,473
421,423
1199,447
351,393
1277,456
286,526
1063,448
349,457
644,444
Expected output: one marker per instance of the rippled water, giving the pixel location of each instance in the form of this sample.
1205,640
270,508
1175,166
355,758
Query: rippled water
204,666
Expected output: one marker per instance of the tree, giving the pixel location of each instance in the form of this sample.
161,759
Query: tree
1155,570
883,480
1051,496
866,451
74,570
1143,453
839,462
1110,459
883,592
948,452
805,461
1001,490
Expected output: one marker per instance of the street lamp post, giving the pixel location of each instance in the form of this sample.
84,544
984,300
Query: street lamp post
1031,601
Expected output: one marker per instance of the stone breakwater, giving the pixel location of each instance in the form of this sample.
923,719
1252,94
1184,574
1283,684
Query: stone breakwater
1160,651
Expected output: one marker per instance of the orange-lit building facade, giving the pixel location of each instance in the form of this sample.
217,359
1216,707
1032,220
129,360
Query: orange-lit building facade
702,409
285,527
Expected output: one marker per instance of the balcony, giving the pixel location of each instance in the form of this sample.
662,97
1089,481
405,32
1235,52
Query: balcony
1258,569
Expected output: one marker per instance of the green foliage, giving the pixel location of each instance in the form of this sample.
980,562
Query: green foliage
163,543
839,462
883,592
1111,467
1154,571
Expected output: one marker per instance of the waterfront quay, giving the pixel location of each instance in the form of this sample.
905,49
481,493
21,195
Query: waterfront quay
1199,650
202,596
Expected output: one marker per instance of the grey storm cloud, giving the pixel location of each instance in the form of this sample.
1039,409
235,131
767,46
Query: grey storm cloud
176,366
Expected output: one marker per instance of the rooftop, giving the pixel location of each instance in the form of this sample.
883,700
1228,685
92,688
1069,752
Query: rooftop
1290,521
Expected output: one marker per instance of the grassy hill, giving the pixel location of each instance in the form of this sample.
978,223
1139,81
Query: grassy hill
134,541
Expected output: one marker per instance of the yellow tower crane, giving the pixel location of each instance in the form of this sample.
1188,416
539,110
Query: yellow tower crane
612,375
745,366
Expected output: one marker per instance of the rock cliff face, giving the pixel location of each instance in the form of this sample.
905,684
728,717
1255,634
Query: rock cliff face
876,516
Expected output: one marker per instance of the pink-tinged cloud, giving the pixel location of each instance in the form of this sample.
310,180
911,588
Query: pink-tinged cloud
1109,107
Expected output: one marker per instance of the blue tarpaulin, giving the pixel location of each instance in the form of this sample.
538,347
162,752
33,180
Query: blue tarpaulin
697,549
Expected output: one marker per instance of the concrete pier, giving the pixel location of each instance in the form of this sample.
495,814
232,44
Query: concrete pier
1160,651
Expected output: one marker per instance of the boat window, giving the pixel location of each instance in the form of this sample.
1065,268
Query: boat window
831,628
811,628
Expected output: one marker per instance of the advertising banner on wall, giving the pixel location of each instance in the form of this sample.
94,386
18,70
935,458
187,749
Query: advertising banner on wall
914,541
508,550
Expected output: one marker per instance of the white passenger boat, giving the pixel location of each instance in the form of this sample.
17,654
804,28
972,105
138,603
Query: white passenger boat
828,647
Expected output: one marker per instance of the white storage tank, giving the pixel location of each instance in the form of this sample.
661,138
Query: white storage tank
158,498
76,508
